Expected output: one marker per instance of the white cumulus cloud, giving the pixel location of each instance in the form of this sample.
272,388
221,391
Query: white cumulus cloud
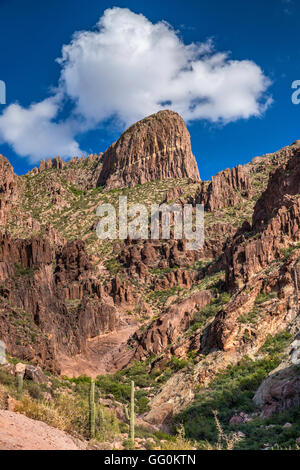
33,133
128,68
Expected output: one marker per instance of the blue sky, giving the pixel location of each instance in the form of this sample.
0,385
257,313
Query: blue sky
264,33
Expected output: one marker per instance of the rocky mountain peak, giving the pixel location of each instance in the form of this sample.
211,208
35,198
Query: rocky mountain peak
157,147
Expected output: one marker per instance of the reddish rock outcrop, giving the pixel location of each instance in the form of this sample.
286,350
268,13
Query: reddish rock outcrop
155,148
140,255
231,332
283,185
8,188
276,225
225,189
25,253
163,331
56,296
81,172
72,262
280,391
121,291
56,162
177,278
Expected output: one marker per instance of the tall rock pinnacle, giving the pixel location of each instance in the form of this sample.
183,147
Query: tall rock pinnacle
155,148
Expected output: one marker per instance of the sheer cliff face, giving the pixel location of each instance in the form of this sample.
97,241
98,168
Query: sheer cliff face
155,148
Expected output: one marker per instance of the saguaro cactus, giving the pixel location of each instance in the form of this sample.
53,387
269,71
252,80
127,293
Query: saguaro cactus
92,410
127,413
132,413
101,420
20,385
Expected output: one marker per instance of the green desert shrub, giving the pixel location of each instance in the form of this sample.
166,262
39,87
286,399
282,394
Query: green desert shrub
231,392
209,311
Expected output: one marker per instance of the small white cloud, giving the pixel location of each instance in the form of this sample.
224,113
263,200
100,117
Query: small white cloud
128,68
33,134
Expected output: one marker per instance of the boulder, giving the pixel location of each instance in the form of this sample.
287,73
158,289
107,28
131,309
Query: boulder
35,374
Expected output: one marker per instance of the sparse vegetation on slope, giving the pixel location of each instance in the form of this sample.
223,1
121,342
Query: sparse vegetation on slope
231,393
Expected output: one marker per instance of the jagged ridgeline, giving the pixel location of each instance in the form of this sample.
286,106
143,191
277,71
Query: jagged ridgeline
180,324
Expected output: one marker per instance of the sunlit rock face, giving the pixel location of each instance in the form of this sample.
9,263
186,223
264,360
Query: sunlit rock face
155,148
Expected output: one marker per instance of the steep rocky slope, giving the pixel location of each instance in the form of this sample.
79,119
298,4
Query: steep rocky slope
79,305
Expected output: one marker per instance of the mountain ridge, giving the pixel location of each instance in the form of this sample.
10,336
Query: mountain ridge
96,307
